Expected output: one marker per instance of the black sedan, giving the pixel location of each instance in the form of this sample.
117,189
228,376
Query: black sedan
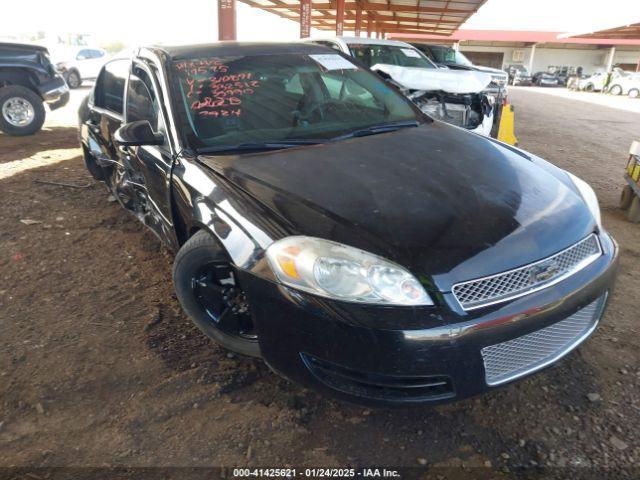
326,225
544,79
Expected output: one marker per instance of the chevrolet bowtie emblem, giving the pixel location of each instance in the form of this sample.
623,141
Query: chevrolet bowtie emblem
544,271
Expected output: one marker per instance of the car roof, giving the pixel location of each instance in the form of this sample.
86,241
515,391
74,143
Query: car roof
75,48
434,45
181,52
26,46
364,40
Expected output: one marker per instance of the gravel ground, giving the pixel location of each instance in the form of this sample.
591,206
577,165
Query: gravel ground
620,102
99,367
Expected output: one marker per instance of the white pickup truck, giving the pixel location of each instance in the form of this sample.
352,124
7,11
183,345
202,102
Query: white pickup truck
458,97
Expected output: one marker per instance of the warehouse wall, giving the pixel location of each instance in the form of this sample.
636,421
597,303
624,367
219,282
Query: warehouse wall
591,60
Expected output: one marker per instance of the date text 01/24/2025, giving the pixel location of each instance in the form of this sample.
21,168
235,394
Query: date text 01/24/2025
315,473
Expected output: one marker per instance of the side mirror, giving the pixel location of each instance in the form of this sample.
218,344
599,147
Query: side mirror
135,134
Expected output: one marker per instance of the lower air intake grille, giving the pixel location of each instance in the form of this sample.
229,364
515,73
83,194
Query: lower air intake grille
509,360
379,386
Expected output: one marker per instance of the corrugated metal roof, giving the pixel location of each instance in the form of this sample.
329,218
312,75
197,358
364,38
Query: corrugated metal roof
524,36
437,17
623,32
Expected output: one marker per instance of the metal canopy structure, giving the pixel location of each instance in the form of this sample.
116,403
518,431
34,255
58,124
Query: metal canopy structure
622,33
625,32
436,17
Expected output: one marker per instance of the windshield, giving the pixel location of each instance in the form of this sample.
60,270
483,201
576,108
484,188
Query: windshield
372,54
449,55
279,98
519,69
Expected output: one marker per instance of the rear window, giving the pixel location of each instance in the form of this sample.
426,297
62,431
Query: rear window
371,54
109,89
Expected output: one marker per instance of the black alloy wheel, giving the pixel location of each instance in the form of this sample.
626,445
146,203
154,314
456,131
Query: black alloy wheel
209,293
226,305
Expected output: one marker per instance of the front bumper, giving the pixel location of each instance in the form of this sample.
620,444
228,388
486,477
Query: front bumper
405,355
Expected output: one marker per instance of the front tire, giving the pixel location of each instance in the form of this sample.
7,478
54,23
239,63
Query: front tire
615,90
73,79
634,93
21,111
211,296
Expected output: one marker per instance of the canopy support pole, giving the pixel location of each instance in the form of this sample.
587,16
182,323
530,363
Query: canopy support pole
358,20
339,17
226,19
305,18
533,54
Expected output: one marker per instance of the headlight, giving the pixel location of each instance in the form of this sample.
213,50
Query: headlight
589,197
345,273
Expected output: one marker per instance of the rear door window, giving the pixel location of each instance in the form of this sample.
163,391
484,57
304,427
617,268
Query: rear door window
109,89
83,54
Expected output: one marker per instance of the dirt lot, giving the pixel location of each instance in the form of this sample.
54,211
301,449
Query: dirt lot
99,367
621,102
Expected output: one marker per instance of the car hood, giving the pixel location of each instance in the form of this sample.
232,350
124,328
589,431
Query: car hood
430,79
447,204
491,70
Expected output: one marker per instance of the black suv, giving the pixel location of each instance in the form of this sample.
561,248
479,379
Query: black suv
27,80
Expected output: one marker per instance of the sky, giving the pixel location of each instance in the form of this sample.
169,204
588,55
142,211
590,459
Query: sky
554,15
156,22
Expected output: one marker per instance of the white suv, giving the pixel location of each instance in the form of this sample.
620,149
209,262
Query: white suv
626,85
458,97
80,63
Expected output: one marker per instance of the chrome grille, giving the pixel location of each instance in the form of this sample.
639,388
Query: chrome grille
523,355
520,281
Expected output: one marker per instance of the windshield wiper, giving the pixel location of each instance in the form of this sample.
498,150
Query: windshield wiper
294,142
258,146
375,129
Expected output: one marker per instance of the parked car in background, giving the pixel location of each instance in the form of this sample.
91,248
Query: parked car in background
573,81
593,83
28,80
78,64
326,225
625,85
545,79
445,56
563,78
518,75
461,97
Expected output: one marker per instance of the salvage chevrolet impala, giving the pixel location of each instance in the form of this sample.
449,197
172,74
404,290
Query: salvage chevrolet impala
324,223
